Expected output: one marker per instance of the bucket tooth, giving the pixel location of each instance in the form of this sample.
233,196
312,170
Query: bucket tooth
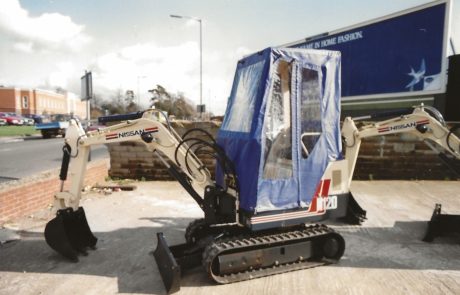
69,233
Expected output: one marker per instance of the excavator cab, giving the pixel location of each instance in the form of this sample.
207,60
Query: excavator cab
282,131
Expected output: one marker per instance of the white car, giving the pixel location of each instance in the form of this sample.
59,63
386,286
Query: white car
28,121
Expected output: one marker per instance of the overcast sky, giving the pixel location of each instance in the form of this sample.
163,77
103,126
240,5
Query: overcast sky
136,45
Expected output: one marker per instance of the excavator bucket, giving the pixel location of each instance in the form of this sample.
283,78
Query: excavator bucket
69,233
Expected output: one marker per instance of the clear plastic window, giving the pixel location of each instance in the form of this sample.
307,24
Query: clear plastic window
242,108
310,110
277,126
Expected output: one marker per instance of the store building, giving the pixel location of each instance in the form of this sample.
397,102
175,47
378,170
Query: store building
37,101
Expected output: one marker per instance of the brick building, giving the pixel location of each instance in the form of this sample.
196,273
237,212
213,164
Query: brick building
38,101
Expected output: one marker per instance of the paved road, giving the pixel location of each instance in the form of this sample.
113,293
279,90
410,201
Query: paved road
21,158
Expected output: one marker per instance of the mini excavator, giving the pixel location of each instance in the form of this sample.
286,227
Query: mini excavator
280,169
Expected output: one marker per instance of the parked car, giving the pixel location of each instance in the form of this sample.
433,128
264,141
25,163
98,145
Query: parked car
37,118
3,122
11,119
25,120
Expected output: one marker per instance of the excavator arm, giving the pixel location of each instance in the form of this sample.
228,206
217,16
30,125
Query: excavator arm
69,233
423,122
146,129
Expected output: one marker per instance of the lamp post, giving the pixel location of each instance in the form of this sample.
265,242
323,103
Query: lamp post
201,57
138,91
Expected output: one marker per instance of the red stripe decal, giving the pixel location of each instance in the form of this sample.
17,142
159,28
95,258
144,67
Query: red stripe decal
326,185
151,129
318,189
312,207
111,136
423,122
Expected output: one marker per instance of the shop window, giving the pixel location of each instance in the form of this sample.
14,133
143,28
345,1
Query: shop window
25,102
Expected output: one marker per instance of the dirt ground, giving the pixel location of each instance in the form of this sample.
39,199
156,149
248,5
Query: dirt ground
383,256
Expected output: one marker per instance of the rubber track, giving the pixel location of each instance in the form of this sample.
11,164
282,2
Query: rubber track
213,250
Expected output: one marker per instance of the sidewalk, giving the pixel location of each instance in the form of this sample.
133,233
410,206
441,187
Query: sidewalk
383,256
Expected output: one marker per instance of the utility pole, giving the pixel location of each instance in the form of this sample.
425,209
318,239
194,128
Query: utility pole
201,107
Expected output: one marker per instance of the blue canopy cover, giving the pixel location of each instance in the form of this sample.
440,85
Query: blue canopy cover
282,125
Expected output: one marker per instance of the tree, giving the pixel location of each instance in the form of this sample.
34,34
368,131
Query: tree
159,93
176,105
119,103
182,108
60,90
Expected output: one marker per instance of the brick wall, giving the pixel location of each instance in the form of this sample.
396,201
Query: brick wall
22,197
400,156
8,98
386,157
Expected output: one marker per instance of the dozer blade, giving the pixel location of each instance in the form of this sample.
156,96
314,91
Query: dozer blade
175,260
167,265
69,233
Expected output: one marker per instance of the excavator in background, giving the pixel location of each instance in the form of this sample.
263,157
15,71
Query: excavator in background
281,169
